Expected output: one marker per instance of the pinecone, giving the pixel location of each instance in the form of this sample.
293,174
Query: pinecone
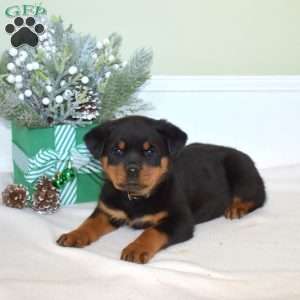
45,199
15,196
87,109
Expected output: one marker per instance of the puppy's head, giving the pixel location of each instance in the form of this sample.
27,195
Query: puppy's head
135,152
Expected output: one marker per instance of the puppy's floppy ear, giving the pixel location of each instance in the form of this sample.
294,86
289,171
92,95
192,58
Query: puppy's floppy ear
96,138
175,137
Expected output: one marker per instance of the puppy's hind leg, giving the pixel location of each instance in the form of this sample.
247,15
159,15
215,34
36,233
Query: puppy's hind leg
247,187
239,208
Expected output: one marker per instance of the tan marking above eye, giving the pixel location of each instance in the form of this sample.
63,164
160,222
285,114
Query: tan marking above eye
121,145
146,146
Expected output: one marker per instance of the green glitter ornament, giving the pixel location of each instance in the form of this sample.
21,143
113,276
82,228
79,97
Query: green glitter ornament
62,178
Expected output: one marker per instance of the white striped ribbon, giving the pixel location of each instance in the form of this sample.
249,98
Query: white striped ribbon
48,162
64,141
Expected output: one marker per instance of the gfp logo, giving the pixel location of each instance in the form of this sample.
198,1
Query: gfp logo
25,10
24,30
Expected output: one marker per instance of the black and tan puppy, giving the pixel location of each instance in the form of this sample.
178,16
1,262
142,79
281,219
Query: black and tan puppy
153,182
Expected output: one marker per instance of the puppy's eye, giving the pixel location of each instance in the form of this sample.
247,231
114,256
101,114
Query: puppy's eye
117,151
149,152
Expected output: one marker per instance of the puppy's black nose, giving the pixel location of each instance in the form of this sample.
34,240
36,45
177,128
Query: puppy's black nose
133,170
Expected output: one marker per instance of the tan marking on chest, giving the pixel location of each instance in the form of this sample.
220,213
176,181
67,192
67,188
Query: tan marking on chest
153,219
115,214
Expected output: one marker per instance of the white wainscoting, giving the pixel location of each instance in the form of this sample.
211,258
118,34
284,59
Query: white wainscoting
257,114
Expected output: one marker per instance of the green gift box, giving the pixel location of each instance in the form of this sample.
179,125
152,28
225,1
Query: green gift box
47,151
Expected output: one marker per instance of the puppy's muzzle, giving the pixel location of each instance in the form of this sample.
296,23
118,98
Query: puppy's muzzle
133,171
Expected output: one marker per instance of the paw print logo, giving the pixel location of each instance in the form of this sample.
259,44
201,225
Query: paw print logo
24,32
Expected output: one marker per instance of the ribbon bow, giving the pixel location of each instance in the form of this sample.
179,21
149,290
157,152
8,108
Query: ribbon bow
48,162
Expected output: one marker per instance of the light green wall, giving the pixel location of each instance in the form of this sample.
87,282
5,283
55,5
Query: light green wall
192,37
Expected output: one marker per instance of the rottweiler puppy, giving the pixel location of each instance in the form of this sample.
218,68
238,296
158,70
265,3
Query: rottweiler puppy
156,183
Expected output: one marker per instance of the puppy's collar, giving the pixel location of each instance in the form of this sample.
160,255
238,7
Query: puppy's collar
131,197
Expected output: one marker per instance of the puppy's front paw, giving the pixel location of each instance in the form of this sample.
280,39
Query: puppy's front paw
76,238
137,253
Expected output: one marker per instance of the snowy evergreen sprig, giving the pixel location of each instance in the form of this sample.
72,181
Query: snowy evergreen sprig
118,92
70,78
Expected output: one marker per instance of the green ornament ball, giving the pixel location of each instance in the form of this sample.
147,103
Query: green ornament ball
58,181
68,174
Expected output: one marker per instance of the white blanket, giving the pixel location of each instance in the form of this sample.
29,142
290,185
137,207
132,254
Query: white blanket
257,257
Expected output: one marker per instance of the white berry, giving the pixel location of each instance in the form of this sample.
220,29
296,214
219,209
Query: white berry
10,66
67,94
28,93
85,80
29,67
124,63
13,52
18,78
73,70
105,42
107,75
94,56
35,65
10,78
45,101
99,45
18,62
111,58
42,38
59,99
23,53
22,58
49,88
62,83
116,67
21,97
